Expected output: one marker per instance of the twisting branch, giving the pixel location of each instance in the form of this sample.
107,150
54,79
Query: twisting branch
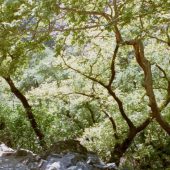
28,110
111,20
163,71
151,36
113,65
34,32
83,74
148,83
167,100
110,91
121,109
158,39
120,148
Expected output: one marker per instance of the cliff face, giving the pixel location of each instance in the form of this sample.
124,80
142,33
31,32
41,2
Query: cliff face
53,160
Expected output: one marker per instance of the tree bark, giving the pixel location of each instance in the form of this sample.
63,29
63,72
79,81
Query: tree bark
146,67
120,148
28,110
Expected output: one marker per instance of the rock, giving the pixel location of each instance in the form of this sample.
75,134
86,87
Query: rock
4,150
93,159
22,159
111,166
18,160
66,146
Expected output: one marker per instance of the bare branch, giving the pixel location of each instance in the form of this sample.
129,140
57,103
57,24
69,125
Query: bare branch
158,39
113,65
28,110
147,32
87,76
119,102
146,66
163,71
117,32
121,109
82,12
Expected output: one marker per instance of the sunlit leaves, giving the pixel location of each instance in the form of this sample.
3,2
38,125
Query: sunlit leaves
60,55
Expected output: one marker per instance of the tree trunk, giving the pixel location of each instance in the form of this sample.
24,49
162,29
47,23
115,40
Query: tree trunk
28,110
120,148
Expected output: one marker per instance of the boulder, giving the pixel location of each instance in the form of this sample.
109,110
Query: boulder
66,146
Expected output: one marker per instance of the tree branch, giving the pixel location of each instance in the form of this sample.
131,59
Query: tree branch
148,84
87,76
77,29
82,12
121,109
119,102
113,65
163,71
112,122
117,32
28,110
143,125
91,114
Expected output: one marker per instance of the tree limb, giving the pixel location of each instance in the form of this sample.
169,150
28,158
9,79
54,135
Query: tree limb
82,12
146,66
113,65
112,122
28,110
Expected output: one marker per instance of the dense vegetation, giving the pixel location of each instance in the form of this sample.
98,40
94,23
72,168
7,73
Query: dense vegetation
97,71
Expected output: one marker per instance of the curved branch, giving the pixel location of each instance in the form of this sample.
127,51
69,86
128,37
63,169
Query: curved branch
121,109
112,122
28,110
146,67
113,65
163,71
110,91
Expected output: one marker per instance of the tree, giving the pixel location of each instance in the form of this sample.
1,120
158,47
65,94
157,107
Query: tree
84,24
14,52
106,48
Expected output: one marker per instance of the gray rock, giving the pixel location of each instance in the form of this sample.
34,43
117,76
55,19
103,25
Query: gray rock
22,159
93,159
108,166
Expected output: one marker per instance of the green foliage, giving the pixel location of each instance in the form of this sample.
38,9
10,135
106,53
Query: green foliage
99,139
60,56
